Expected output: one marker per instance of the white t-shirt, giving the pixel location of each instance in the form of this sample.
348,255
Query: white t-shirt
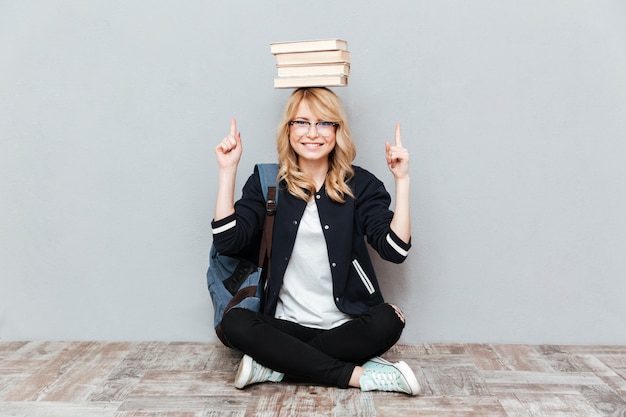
306,296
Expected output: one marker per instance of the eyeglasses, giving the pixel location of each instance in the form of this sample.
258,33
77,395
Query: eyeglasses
302,127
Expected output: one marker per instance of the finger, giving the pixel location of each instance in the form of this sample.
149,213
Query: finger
221,148
388,152
397,135
228,144
225,145
233,127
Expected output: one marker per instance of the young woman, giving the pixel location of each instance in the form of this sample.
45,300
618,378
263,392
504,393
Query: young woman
324,320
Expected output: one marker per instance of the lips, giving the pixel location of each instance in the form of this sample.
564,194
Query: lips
313,145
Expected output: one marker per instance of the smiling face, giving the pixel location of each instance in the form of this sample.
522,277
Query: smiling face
311,145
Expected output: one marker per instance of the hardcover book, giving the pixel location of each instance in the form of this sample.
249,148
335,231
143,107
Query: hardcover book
308,46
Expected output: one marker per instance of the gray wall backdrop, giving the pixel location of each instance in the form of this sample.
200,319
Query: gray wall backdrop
514,113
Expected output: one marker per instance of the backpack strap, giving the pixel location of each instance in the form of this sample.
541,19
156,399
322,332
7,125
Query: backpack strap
269,177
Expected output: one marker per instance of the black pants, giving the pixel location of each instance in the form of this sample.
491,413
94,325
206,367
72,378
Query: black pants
310,355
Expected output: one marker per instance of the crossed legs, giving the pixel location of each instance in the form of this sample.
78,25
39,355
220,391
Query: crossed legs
328,357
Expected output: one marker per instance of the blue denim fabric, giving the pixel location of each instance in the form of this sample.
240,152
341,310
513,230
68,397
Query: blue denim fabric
222,267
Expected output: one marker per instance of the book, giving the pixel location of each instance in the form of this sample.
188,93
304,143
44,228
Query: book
322,81
311,63
308,46
315,57
312,70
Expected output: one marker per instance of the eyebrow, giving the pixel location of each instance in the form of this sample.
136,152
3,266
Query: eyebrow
308,120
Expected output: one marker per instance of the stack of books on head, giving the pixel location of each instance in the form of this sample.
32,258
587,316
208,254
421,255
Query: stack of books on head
316,63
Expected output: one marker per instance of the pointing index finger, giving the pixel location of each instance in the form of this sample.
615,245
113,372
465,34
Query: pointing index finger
233,127
397,135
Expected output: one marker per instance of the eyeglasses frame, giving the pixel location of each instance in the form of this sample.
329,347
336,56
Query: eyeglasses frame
316,124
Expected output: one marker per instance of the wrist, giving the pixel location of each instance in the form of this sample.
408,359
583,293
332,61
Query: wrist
228,173
402,180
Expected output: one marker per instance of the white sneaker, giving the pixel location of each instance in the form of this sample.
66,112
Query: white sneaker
382,375
251,372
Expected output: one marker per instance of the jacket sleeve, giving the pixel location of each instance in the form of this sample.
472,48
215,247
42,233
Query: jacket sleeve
236,233
374,217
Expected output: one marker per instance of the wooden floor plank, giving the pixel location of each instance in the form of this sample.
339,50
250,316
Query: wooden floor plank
618,350
180,356
604,400
143,413
522,358
548,405
124,377
347,402
57,409
9,348
606,373
485,357
455,380
159,383
44,376
500,382
179,379
87,372
169,405
41,351
441,406
616,362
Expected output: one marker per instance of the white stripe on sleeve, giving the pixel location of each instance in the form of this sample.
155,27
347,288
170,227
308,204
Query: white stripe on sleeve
224,228
398,249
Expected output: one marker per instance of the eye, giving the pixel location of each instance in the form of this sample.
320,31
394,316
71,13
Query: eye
325,124
301,123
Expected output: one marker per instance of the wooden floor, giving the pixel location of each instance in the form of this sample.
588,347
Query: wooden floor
96,379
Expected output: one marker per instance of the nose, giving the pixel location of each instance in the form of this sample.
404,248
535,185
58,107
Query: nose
315,132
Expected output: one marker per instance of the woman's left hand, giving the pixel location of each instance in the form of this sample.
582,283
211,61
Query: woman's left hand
397,156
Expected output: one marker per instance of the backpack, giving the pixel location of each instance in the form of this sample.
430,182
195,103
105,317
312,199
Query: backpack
235,282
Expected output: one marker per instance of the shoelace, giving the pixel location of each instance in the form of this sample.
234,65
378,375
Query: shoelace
260,373
388,380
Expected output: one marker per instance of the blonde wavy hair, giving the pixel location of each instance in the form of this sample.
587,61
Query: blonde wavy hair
326,106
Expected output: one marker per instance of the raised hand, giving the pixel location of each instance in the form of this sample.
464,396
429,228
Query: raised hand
397,156
228,151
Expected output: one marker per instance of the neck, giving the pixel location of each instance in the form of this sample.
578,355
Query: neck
317,171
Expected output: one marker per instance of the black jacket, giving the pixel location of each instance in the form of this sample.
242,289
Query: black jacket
345,227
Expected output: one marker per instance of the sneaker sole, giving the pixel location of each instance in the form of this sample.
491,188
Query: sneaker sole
409,377
245,368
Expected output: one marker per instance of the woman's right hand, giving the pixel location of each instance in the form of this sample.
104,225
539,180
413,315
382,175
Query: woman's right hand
228,151
228,154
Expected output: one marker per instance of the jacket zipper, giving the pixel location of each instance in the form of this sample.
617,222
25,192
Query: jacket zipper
363,276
